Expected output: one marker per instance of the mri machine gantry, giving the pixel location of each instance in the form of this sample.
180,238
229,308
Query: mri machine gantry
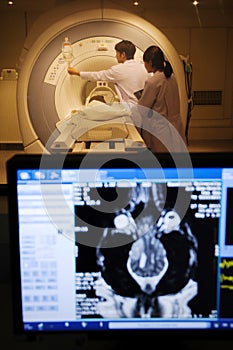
46,94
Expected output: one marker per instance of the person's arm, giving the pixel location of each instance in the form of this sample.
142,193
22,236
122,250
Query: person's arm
148,95
73,71
111,75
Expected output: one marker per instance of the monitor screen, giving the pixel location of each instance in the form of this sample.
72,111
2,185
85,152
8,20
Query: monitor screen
116,243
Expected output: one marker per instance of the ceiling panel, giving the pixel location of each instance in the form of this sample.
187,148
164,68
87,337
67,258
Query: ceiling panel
43,5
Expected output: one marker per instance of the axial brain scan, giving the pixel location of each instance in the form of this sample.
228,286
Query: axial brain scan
151,273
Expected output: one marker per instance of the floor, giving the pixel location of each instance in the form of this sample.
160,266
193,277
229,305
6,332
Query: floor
194,146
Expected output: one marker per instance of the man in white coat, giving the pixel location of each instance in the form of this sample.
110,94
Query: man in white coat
128,76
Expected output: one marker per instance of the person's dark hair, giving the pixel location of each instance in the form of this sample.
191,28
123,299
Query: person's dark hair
155,55
97,98
127,47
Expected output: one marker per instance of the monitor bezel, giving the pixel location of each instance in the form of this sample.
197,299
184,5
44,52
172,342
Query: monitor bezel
28,161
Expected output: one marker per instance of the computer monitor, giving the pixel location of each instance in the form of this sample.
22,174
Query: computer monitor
122,244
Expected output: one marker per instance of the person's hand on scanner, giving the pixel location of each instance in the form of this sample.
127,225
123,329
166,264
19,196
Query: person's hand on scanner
73,71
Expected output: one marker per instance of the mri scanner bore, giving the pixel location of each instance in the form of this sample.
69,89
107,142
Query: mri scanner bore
109,110
88,125
47,95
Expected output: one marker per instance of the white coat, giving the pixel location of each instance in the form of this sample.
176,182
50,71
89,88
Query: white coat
128,77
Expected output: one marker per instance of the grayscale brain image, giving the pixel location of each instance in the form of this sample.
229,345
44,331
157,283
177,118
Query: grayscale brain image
139,256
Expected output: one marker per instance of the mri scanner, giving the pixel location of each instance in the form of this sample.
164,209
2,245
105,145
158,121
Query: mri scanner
47,94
